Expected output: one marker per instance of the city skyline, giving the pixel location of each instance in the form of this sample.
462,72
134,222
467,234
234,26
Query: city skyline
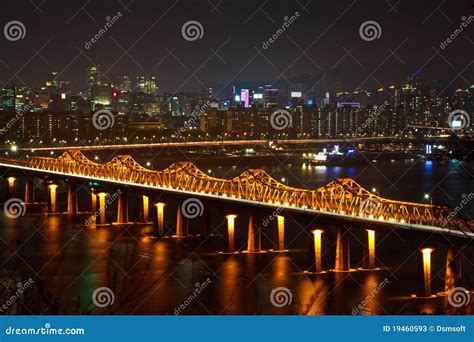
325,52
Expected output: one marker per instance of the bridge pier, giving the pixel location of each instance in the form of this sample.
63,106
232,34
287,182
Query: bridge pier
317,267
11,186
122,207
179,222
102,217
52,200
453,275
159,219
343,258
369,251
29,191
254,240
424,276
146,209
279,233
231,232
72,204
93,201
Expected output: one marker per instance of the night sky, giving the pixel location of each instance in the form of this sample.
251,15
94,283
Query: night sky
320,48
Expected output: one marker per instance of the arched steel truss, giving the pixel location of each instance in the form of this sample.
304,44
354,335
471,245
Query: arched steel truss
343,196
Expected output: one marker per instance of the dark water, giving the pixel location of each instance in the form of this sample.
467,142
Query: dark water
68,260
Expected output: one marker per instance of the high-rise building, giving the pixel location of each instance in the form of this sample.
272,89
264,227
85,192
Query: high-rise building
8,99
271,97
52,83
93,78
147,84
245,97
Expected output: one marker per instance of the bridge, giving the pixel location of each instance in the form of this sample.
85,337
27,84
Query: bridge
342,199
210,143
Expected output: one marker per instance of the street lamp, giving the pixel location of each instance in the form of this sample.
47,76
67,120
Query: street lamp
428,196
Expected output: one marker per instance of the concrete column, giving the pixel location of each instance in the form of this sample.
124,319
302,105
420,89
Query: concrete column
102,218
453,270
231,231
369,257
179,222
159,219
93,201
29,191
317,237
52,205
424,285
343,263
11,186
122,207
72,204
146,210
280,233
253,244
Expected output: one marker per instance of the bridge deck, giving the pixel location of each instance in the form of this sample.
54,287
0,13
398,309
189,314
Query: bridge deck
342,198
